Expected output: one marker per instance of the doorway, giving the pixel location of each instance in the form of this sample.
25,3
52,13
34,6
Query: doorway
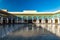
56,20
34,20
46,20
25,20
39,20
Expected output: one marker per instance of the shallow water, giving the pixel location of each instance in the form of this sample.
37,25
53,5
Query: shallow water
25,32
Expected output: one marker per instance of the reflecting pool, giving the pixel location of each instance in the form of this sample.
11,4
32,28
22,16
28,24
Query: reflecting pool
26,32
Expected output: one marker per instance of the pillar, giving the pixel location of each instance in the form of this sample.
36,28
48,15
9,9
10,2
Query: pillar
48,28
49,20
53,20
32,19
37,21
37,24
22,19
53,30
7,20
26,28
17,20
37,29
1,20
43,21
58,31
7,30
11,20
32,28
27,19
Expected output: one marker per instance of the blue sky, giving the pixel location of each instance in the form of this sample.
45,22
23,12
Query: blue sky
39,5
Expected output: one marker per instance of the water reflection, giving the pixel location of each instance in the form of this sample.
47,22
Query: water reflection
29,31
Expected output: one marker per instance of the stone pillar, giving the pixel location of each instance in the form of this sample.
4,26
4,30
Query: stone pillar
43,21
53,20
22,19
27,19
11,20
37,24
49,20
32,19
58,20
1,20
26,28
37,21
37,29
32,28
43,25
7,20
53,30
58,31
49,27
17,20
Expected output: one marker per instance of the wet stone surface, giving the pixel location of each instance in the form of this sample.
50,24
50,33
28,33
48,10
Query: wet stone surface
25,32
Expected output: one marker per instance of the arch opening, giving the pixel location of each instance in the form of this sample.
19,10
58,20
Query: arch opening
56,20
46,20
40,20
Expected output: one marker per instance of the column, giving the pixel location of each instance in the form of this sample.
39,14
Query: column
43,20
27,19
32,19
32,28
37,29
22,19
53,20
26,28
58,31
49,26
58,20
37,21
53,29
49,20
11,20
1,20
7,20
17,20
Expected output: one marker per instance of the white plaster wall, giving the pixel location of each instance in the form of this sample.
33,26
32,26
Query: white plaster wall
43,21
49,20
58,20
